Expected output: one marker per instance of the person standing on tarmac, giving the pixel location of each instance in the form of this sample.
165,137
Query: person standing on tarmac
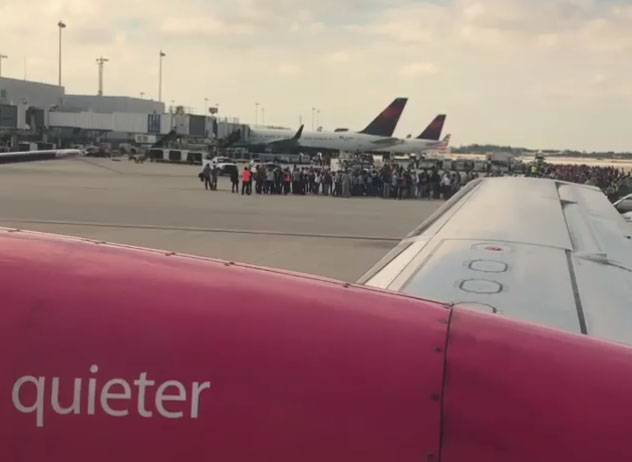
278,180
246,182
327,180
206,175
269,181
214,175
260,178
296,181
338,184
387,180
234,179
287,181
446,185
435,183
346,184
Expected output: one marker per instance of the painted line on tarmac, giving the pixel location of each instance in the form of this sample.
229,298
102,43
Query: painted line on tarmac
201,230
95,164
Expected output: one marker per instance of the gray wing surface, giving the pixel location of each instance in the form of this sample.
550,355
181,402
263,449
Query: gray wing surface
544,251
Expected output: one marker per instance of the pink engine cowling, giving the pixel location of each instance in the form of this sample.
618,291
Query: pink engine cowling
113,353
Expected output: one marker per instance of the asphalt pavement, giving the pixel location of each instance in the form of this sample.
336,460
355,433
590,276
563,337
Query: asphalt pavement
165,206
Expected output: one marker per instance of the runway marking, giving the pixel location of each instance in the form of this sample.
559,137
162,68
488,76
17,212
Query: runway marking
95,164
202,230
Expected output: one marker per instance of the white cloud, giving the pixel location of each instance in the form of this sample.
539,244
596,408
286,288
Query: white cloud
190,26
507,67
548,40
415,70
288,69
339,57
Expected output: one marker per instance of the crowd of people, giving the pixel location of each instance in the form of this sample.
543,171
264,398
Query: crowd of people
612,181
393,181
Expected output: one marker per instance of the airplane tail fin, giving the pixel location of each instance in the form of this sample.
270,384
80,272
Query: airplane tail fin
385,123
299,133
433,131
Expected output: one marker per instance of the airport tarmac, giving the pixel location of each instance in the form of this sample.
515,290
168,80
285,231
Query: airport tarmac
165,206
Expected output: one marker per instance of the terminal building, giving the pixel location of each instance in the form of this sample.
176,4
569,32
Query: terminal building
44,112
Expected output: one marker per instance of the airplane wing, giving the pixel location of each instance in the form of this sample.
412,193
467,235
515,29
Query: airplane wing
384,142
288,142
544,251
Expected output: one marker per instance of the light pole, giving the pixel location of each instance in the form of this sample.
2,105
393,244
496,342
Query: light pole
162,55
317,119
61,25
313,112
263,115
205,111
101,61
1,58
256,113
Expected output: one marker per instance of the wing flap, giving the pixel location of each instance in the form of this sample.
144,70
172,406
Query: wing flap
498,276
605,292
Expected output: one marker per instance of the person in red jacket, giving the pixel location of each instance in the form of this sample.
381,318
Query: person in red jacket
246,182
287,181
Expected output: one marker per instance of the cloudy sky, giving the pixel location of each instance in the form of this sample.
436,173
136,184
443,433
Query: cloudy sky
540,73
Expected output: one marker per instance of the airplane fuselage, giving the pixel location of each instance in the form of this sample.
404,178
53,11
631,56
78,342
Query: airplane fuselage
326,141
414,146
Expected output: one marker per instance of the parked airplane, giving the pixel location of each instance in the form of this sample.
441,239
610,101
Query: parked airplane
126,354
378,132
428,140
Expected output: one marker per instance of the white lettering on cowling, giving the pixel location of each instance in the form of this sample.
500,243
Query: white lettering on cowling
107,395
38,405
92,384
198,388
142,383
75,407
114,397
161,397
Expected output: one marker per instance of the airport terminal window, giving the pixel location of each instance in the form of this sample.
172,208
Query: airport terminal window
175,156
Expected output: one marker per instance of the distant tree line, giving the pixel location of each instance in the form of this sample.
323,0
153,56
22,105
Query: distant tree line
520,151
491,148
